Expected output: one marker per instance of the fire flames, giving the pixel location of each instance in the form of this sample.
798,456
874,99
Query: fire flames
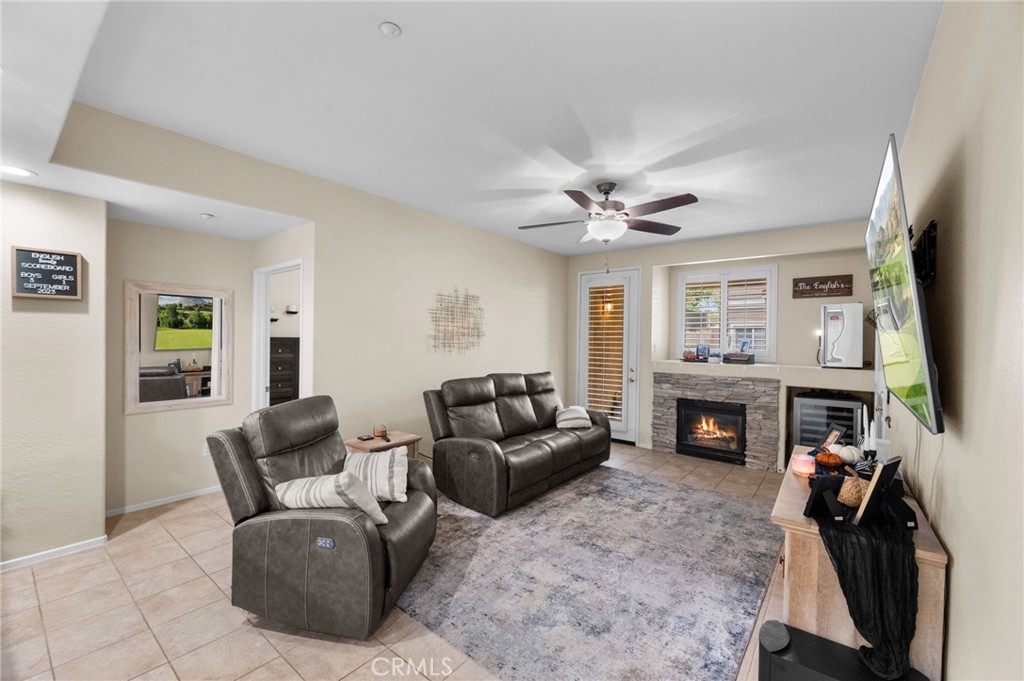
709,430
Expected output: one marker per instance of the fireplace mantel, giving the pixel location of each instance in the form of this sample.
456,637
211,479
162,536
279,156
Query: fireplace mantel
854,380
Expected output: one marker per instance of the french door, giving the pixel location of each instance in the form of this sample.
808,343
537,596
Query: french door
608,349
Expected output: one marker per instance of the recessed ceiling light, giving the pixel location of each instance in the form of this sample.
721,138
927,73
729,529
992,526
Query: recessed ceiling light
390,29
20,172
207,216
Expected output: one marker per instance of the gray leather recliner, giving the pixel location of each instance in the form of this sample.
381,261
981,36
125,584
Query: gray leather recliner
328,569
496,444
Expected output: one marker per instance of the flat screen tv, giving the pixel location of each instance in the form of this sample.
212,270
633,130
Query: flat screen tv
902,325
183,323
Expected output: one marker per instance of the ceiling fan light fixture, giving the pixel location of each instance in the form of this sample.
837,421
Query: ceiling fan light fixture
606,228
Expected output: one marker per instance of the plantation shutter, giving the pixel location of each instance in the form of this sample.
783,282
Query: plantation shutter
606,329
702,319
747,312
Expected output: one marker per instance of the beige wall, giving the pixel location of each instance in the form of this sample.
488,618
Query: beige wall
961,165
378,267
54,377
809,251
159,455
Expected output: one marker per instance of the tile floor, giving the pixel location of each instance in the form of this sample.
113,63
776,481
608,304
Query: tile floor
153,603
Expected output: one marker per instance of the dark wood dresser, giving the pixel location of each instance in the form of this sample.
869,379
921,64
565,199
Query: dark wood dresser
284,369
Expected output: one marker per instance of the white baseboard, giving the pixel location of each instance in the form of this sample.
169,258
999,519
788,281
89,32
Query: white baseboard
52,553
160,502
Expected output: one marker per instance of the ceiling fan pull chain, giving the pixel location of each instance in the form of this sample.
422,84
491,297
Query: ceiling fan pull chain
606,270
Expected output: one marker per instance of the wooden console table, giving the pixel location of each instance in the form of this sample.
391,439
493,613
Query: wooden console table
812,599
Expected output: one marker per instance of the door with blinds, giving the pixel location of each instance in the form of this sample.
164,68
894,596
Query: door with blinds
608,378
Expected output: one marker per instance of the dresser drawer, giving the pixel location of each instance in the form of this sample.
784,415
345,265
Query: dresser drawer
282,365
284,369
286,384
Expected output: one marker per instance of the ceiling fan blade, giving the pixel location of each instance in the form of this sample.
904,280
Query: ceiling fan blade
551,224
583,201
652,227
587,236
661,204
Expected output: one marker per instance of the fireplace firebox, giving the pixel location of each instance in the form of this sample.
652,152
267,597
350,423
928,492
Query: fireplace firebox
712,430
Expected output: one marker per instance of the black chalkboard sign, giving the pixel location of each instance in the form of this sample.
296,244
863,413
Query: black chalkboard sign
41,273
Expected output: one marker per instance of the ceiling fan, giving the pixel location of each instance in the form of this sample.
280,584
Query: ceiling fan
608,220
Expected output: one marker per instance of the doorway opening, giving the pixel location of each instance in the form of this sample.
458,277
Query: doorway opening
279,305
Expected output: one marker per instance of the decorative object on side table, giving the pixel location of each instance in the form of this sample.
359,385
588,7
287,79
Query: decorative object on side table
827,463
803,464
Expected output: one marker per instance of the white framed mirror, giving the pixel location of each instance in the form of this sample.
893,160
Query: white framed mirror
178,342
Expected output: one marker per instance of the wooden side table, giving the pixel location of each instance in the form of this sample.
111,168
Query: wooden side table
397,437
812,599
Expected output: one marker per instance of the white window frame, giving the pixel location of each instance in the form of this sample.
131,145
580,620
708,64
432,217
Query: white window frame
769,272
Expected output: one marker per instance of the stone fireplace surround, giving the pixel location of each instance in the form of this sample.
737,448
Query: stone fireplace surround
761,395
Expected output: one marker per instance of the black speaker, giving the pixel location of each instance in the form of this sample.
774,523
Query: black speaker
785,653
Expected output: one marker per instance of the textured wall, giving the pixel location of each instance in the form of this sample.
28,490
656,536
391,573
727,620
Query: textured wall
54,377
962,166
760,395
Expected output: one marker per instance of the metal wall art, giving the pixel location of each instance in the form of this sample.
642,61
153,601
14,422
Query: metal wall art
458,321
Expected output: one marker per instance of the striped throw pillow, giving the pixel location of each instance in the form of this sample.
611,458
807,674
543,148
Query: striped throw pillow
572,417
384,473
343,490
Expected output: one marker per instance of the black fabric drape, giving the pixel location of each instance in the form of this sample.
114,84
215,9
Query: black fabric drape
878,574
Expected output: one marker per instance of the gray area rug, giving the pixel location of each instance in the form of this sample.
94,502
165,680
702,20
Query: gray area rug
610,576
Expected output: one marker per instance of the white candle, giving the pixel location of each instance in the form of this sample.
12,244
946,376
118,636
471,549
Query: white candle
872,434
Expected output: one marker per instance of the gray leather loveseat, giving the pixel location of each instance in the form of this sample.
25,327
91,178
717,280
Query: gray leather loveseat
324,569
161,383
496,444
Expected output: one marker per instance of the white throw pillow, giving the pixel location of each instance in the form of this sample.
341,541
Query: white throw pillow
572,417
343,490
386,473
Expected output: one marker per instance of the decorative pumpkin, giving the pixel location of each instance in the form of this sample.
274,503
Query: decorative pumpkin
829,459
850,454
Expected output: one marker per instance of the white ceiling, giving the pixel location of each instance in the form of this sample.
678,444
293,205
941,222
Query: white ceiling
773,114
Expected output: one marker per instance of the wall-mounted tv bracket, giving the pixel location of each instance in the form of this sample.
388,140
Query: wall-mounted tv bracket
924,253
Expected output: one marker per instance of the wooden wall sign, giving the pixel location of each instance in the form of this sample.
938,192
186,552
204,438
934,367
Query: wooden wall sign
41,273
834,285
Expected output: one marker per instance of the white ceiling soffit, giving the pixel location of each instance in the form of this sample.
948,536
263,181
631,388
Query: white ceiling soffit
45,46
